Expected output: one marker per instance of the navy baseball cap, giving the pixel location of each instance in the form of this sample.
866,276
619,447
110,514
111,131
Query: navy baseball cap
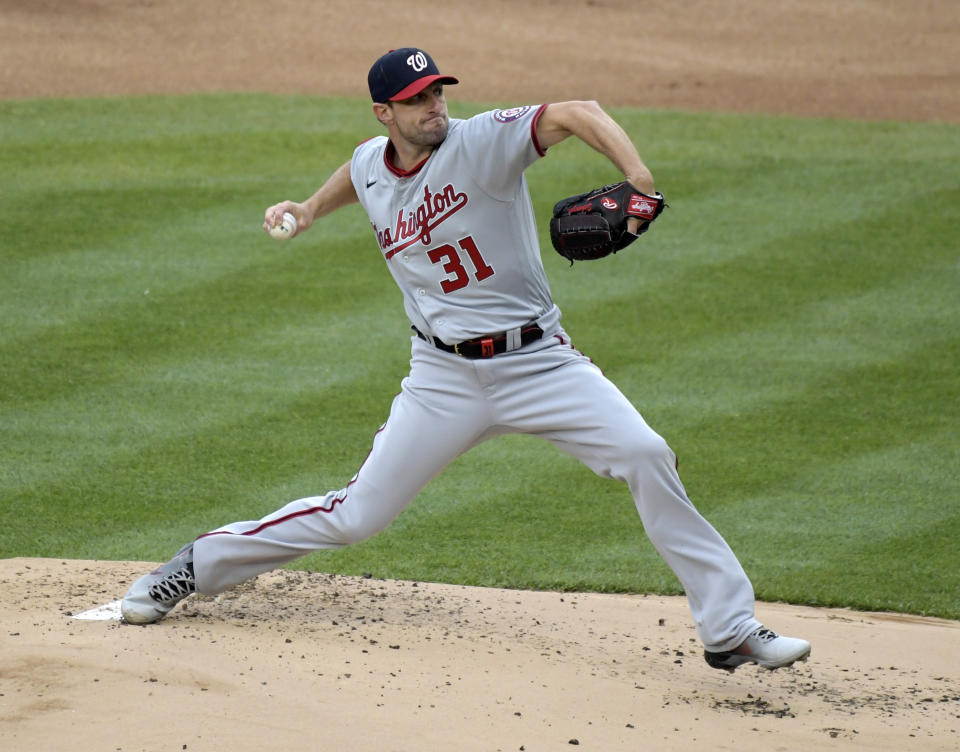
402,73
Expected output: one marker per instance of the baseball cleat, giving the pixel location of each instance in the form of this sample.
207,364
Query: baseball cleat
765,648
151,597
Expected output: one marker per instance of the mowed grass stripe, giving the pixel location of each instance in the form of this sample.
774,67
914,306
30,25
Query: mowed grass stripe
110,246
136,500
752,359
828,546
239,343
146,288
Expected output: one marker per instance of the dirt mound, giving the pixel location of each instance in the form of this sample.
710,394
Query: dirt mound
313,661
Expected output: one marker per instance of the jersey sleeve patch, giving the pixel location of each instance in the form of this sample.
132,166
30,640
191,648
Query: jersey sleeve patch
514,113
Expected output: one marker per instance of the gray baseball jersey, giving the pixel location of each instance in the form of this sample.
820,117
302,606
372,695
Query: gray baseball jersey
458,232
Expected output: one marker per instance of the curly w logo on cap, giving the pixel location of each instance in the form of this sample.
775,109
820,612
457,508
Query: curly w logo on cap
403,73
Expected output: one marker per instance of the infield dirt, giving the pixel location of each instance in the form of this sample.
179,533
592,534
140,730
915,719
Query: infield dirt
318,662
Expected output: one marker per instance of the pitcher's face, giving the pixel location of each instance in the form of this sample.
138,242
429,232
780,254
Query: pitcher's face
422,119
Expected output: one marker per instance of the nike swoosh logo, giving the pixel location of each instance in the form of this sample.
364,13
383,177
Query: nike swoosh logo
371,182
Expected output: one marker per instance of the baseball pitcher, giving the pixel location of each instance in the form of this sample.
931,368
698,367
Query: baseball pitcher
453,223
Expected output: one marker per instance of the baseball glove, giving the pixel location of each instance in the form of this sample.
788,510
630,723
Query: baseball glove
594,224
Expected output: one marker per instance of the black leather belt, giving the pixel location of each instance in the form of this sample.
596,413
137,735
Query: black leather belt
487,347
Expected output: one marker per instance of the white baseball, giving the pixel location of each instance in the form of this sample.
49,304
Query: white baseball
286,228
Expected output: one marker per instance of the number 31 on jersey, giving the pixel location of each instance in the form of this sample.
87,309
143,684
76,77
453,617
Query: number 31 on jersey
453,264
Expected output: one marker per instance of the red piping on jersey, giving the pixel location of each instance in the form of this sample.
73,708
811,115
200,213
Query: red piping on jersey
565,343
303,512
280,520
533,129
569,344
389,151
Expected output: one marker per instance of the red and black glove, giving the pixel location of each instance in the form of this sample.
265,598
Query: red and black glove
594,224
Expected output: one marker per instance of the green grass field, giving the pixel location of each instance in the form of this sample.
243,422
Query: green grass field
791,326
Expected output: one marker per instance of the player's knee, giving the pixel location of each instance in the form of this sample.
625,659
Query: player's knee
648,447
357,531
357,527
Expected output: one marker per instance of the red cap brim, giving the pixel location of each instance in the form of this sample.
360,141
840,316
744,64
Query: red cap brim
419,85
